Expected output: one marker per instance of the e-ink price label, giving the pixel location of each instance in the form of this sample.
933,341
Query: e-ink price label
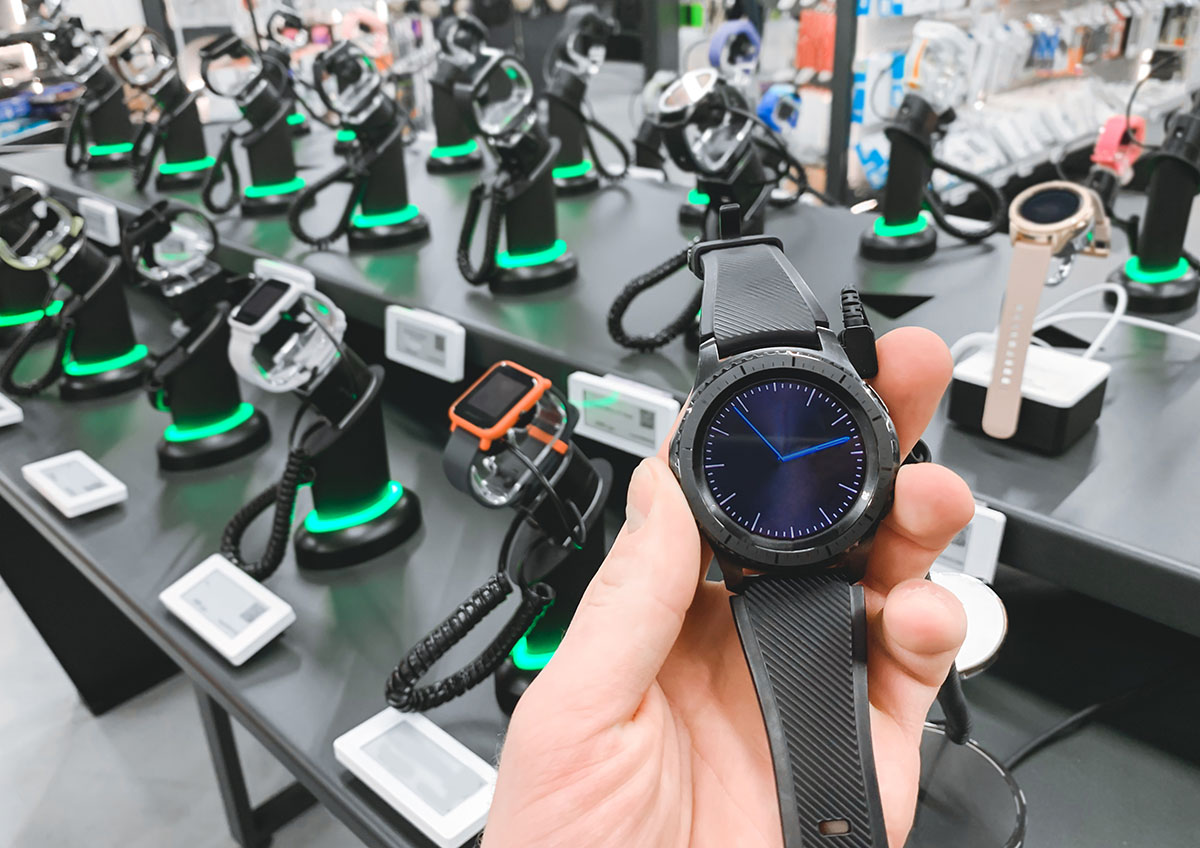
621,413
432,344
103,223
269,269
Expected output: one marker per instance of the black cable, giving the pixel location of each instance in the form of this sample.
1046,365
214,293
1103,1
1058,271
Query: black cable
1077,720
360,171
795,168
75,147
283,495
22,347
401,690
1128,136
616,313
216,172
990,193
588,123
487,265
574,522
144,165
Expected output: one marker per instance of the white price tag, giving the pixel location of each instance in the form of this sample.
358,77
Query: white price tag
269,269
621,413
75,483
37,185
103,224
227,608
10,413
429,343
976,550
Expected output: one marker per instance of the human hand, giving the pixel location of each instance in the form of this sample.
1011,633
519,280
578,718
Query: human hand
644,728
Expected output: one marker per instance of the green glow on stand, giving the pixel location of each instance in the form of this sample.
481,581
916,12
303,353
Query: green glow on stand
886,230
296,118
314,523
385,219
1135,271
451,150
110,149
294,184
524,260
345,136
29,317
189,167
528,660
566,172
175,433
86,369
697,197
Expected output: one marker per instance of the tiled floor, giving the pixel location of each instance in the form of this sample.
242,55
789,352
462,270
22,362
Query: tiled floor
138,777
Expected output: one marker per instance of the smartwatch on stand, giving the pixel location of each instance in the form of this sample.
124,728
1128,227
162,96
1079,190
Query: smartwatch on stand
788,460
1049,224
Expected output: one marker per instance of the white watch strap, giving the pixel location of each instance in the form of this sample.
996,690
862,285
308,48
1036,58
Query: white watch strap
1026,279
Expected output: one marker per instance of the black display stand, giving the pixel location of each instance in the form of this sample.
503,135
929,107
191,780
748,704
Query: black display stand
902,233
359,511
102,356
105,131
273,179
195,383
185,155
22,298
456,149
1159,277
385,217
574,173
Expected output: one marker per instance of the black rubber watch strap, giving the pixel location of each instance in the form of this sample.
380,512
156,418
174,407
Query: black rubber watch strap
754,298
805,642
457,458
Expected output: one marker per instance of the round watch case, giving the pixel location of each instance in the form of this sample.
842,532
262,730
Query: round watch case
735,543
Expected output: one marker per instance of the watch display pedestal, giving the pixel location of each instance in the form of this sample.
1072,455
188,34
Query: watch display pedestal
1174,295
966,798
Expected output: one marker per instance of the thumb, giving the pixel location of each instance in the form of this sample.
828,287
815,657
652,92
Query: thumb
632,612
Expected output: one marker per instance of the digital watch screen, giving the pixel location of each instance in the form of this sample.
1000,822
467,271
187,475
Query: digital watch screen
497,393
260,301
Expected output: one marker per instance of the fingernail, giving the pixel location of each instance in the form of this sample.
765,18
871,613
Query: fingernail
641,497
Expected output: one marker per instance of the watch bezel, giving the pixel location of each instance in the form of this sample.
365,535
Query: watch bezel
776,556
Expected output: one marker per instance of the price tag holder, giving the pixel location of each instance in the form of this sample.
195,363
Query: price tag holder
37,185
269,269
103,223
622,413
424,773
227,608
10,413
75,483
429,343
976,550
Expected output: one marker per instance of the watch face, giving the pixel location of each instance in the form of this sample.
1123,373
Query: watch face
498,392
1051,206
783,458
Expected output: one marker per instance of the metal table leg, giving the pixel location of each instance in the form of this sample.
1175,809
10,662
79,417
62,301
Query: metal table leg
251,827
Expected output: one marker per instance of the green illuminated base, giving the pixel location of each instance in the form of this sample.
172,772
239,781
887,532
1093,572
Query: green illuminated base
534,272
101,157
329,542
177,176
81,383
24,319
260,200
454,158
390,229
1151,293
576,179
187,449
909,242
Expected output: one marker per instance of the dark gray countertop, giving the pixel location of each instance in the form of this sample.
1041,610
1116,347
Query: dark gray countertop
1110,518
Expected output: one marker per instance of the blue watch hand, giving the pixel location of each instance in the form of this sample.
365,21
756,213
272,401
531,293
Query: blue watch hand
760,435
832,443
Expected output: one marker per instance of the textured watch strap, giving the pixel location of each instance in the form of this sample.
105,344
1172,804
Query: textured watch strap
457,458
1026,280
754,298
805,642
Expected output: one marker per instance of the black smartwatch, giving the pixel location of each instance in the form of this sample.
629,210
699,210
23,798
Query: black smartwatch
788,460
